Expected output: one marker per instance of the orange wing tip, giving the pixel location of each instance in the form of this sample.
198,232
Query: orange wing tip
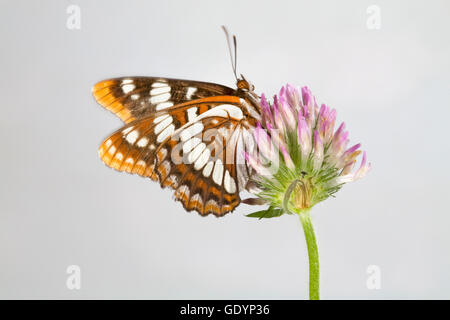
103,84
100,93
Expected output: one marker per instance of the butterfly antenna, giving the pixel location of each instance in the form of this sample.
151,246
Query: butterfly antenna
233,62
235,55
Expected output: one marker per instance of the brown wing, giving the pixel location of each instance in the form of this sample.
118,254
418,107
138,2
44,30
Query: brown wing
196,148
133,98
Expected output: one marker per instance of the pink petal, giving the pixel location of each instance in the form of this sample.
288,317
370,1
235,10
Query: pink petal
287,158
256,164
288,113
304,136
363,169
263,141
318,151
267,113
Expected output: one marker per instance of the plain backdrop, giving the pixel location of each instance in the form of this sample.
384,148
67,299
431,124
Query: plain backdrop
61,206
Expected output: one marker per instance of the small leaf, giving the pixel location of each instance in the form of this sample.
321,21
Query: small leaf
257,214
269,213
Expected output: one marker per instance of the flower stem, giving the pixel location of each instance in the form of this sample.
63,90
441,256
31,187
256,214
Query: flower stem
313,255
311,243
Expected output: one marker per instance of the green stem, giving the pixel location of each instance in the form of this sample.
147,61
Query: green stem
311,243
313,255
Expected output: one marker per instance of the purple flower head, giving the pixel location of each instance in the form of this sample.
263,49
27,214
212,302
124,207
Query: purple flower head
303,137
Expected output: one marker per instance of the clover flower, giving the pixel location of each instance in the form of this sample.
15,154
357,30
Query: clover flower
301,160
298,147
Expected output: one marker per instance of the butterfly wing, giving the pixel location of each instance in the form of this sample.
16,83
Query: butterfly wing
134,98
196,148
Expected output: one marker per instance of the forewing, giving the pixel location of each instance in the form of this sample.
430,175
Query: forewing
133,98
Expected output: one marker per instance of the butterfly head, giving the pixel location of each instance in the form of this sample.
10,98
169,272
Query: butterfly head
245,90
244,85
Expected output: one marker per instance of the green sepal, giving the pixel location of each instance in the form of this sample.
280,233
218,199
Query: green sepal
269,213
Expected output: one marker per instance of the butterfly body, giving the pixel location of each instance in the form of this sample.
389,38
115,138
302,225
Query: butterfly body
187,135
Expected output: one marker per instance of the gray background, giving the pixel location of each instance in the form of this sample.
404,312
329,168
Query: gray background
61,206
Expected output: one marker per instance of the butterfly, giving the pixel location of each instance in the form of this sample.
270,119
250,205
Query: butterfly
189,136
